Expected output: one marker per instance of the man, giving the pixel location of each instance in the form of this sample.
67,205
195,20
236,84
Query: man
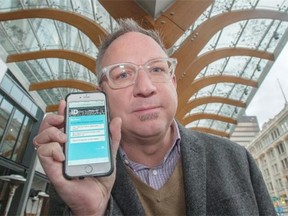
161,167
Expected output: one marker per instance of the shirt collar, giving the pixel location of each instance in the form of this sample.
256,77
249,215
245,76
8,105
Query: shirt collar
176,144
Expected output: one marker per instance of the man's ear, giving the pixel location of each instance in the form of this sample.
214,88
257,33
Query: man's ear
174,81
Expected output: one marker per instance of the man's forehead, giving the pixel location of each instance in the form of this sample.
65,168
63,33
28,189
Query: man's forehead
129,46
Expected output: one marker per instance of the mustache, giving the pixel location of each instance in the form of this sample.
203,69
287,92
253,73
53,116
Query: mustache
145,103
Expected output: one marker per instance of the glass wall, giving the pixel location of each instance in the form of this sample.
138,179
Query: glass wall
19,122
15,121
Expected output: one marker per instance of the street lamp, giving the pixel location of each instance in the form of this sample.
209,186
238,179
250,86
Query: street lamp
15,181
41,196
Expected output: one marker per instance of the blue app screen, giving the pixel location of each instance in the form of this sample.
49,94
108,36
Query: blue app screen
87,133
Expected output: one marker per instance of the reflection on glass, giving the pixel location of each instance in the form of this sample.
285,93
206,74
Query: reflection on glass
5,111
12,133
6,84
17,93
22,140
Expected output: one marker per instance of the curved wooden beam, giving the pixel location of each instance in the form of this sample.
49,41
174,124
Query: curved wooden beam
197,116
202,34
205,100
172,22
202,61
211,131
52,108
203,82
89,27
69,83
81,58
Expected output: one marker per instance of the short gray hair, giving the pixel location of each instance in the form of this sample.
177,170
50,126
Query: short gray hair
125,26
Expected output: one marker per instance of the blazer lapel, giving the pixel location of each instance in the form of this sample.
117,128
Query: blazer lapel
194,172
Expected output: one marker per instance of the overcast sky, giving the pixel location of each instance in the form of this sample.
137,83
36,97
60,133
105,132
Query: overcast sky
268,100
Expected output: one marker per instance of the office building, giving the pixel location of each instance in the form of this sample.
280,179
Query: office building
270,150
246,130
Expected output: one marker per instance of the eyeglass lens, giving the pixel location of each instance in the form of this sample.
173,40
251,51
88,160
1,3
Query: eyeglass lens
159,70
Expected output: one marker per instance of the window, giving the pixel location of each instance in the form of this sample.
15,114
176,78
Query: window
285,163
5,111
275,133
15,130
11,135
281,148
266,173
270,186
271,154
279,183
22,139
275,168
7,84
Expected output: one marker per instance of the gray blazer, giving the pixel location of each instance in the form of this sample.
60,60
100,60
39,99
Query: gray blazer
220,178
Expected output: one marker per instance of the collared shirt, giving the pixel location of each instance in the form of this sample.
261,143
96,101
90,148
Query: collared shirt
157,176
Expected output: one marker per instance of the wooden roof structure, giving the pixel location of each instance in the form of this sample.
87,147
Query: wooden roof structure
224,50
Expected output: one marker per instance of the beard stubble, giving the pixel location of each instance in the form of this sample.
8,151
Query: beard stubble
148,117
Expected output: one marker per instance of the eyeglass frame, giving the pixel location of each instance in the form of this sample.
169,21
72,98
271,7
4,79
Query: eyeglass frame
106,70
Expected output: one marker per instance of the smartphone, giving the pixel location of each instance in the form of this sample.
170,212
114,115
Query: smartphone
88,149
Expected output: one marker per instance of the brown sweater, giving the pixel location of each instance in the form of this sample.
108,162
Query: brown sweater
168,200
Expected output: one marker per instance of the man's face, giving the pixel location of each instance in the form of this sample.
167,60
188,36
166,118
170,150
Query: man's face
146,108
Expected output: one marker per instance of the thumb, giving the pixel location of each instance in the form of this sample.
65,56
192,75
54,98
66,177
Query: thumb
61,107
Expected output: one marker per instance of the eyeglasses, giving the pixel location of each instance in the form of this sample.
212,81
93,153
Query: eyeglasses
122,75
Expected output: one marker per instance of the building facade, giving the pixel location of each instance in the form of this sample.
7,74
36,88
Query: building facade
246,130
270,150
20,117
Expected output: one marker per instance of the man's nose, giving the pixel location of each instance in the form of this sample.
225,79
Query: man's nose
143,84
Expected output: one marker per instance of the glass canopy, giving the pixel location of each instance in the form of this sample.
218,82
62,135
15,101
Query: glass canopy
264,33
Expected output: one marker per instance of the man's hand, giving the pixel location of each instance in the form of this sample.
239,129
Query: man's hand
88,196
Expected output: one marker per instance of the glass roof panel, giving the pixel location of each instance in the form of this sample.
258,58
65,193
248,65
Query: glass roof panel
266,33
268,4
222,89
212,108
19,36
48,37
198,109
237,91
204,123
5,40
206,91
44,34
14,31
227,110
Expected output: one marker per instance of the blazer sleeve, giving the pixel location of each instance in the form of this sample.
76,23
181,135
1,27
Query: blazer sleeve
56,205
264,202
113,208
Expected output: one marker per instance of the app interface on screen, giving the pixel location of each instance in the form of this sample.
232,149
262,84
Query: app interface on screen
86,133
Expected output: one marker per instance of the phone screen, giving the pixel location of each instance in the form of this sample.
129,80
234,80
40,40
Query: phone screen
86,133
87,149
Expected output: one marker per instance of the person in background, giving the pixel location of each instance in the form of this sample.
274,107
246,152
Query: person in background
161,168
